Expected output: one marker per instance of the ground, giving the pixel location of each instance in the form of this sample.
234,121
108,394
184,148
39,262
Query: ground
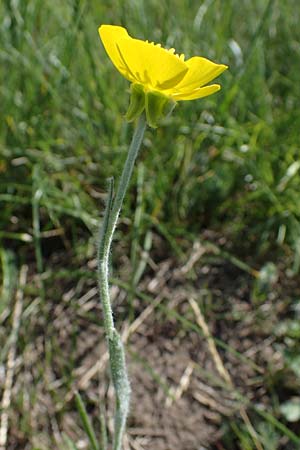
200,350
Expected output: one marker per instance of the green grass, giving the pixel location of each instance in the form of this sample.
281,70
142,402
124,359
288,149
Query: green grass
228,163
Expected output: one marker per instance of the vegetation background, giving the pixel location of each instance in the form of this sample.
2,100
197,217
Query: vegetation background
208,244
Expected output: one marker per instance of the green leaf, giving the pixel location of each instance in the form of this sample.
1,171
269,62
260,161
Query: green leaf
70,444
87,425
121,385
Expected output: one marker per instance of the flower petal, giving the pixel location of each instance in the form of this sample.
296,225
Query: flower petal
201,71
151,65
110,35
157,69
197,93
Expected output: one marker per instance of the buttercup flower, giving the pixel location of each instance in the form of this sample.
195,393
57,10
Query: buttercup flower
159,76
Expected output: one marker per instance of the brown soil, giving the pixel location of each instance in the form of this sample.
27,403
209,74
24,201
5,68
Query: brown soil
182,393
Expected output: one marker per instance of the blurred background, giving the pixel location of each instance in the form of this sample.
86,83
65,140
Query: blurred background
205,277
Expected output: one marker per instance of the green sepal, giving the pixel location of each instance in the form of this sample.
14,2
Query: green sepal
137,102
157,106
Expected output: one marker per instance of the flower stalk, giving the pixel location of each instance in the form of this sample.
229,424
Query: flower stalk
159,79
115,345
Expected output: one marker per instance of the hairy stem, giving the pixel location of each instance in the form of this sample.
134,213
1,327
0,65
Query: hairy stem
116,350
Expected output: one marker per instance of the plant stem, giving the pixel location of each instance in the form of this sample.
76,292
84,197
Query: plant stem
116,351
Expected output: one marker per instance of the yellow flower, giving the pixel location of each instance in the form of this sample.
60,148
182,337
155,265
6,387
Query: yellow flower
158,70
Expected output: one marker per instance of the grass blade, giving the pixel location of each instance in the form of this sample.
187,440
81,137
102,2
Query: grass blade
87,425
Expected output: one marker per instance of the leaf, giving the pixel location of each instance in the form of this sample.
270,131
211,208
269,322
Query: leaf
87,425
71,445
